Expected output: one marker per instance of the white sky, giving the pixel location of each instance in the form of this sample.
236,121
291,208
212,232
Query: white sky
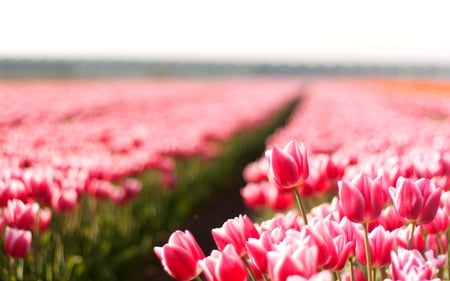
253,31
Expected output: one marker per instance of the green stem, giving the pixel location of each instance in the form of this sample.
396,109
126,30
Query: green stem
448,253
368,254
338,276
19,270
198,278
249,269
300,206
352,272
411,234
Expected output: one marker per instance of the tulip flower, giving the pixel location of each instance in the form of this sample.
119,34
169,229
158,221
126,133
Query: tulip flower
416,201
381,243
180,256
65,200
410,265
236,232
11,189
258,248
288,167
17,242
21,215
44,219
360,199
224,265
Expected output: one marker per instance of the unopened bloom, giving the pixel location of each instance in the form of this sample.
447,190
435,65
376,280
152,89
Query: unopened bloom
381,243
17,242
180,256
236,232
360,200
416,201
288,167
21,215
224,265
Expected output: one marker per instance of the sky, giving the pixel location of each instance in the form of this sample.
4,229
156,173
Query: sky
407,32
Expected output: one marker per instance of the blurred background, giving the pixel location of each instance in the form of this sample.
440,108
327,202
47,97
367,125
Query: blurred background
142,38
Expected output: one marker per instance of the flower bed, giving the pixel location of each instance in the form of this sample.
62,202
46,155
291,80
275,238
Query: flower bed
75,155
370,185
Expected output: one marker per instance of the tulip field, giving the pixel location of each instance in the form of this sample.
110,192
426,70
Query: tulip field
89,176
353,187
342,178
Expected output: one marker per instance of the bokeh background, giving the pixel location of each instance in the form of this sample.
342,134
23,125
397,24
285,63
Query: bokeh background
224,37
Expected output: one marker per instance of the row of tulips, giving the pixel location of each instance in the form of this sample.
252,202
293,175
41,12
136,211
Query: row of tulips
70,149
370,186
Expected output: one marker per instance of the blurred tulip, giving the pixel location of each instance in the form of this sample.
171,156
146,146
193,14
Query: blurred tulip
12,189
44,219
21,215
65,200
17,242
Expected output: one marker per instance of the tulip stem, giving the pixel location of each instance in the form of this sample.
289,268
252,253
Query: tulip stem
368,254
300,206
197,278
448,253
249,269
352,271
411,234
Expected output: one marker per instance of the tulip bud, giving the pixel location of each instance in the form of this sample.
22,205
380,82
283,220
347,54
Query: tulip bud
17,242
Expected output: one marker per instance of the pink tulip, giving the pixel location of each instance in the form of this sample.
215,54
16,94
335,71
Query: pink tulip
21,215
65,200
401,238
236,232
416,201
296,259
440,222
17,242
12,189
253,195
390,219
321,276
44,219
360,199
437,243
288,167
224,266
180,256
410,265
381,243
333,247
257,250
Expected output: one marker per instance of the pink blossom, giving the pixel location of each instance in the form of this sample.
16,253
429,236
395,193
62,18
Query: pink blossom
180,255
